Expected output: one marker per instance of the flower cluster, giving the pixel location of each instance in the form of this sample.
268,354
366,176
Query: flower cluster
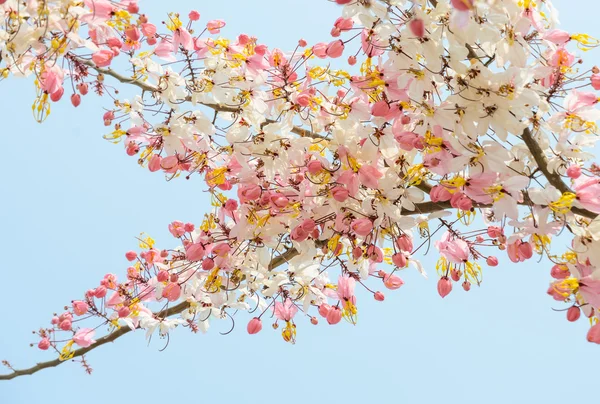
319,176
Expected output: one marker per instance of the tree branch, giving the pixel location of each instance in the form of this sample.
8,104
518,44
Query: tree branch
217,107
552,177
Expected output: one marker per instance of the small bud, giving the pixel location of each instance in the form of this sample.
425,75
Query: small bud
573,313
254,326
380,297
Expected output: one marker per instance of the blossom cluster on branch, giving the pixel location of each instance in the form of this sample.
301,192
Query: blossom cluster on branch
450,114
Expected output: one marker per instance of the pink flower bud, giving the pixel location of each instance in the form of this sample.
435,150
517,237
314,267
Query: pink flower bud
455,275
133,33
173,278
357,252
335,49
340,194
440,193
444,286
595,79
155,163
352,60
314,166
492,261
574,171
399,259
334,315
194,15
254,326
560,272
82,88
80,307
100,292
54,320
461,201
526,250
299,234
148,30
466,285
302,43
57,95
172,292
303,99
124,312
380,297
44,344
462,5
324,310
380,108
342,2
573,313
593,334
133,8
405,120
130,255
250,192
320,50
417,27
75,100
494,231
65,325
404,243
208,264
162,276
195,252
392,282
314,320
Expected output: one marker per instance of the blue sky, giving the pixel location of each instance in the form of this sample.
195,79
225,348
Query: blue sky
72,204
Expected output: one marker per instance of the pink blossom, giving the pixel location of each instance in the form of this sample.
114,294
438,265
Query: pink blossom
285,311
340,194
454,249
440,193
172,292
195,252
380,297
362,227
84,337
369,176
80,307
250,192
214,26
103,58
557,36
346,285
392,282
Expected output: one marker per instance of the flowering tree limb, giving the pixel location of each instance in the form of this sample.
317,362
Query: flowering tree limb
323,180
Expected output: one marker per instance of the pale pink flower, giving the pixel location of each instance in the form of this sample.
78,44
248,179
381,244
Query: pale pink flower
84,337
285,311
